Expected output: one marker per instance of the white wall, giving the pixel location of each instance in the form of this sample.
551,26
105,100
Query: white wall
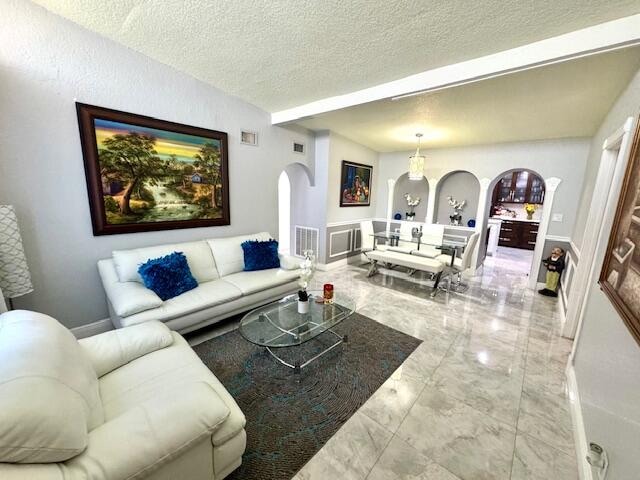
344,149
46,64
607,358
565,159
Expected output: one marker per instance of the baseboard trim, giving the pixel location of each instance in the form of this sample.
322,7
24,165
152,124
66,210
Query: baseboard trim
91,329
579,433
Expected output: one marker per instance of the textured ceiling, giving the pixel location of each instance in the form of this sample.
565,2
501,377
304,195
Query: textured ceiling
281,53
568,99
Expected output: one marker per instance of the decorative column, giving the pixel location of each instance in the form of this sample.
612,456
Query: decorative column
550,185
431,203
391,183
481,217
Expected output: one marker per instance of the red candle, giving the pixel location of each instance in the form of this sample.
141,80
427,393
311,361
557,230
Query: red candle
328,293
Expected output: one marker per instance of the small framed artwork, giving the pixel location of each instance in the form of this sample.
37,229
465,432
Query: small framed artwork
620,276
145,174
355,184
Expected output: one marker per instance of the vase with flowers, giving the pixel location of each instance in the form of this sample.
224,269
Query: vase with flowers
530,209
412,203
456,218
307,269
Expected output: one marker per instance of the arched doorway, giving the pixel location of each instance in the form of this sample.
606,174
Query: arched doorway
514,234
461,185
284,213
416,188
295,199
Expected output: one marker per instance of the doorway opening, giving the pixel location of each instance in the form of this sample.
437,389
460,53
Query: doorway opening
514,215
284,213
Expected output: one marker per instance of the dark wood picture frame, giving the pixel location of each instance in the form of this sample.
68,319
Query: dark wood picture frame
344,178
87,116
623,250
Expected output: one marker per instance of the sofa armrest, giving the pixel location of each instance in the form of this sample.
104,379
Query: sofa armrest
289,262
143,439
110,350
126,298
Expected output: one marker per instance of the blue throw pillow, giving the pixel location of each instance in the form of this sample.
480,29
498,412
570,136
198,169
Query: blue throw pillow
260,255
168,276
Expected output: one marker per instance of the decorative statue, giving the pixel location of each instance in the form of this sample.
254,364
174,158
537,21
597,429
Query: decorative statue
456,218
412,203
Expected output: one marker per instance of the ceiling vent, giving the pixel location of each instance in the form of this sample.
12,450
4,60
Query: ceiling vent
248,137
298,147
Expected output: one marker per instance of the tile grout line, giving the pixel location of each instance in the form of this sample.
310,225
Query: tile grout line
515,438
424,386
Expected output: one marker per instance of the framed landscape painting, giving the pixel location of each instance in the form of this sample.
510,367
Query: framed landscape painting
146,174
620,276
355,184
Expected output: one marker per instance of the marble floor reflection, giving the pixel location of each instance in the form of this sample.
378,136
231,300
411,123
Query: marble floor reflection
484,395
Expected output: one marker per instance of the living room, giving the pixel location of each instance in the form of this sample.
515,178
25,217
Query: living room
374,203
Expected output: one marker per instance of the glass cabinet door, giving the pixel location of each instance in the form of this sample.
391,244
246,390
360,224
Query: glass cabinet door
504,188
536,193
520,188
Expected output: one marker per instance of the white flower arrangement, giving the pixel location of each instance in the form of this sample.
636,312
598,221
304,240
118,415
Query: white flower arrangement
411,201
457,206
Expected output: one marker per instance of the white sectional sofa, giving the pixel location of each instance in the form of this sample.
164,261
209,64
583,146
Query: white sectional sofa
127,404
224,288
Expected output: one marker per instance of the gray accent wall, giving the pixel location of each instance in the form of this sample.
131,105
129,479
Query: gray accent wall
563,158
41,166
343,241
461,186
418,188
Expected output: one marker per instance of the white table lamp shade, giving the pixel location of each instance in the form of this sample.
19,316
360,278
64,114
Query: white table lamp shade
15,279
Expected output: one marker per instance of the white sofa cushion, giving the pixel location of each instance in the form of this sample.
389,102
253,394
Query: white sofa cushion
49,397
199,258
258,280
126,298
164,372
110,350
228,253
203,296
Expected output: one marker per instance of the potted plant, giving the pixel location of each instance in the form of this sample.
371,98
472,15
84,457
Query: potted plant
456,218
307,268
412,203
530,208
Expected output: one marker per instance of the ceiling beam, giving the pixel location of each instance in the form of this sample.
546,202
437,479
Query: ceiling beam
607,36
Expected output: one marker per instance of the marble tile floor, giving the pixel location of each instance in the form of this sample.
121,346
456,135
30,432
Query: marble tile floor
484,395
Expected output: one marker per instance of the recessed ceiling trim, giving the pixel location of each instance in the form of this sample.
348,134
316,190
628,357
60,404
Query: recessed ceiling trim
587,41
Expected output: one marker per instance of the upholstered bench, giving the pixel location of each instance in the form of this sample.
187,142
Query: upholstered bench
413,262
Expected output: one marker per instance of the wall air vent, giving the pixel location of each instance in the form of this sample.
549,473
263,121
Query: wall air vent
306,238
248,137
298,147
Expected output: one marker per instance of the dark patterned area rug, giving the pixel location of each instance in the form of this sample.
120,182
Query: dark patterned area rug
291,416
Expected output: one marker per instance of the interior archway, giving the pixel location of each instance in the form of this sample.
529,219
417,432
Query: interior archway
295,187
419,188
461,185
522,256
284,213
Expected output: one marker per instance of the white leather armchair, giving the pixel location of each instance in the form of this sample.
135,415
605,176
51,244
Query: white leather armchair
130,403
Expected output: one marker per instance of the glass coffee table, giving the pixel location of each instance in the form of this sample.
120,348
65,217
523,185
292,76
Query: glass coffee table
279,325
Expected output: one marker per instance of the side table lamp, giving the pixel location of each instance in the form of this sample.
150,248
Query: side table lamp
15,279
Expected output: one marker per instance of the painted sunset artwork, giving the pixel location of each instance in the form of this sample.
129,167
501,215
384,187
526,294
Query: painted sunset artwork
151,175
148,174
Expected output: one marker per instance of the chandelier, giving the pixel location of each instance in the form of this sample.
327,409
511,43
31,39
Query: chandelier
416,163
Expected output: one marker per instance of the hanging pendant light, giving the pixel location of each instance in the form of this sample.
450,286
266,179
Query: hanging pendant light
416,163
